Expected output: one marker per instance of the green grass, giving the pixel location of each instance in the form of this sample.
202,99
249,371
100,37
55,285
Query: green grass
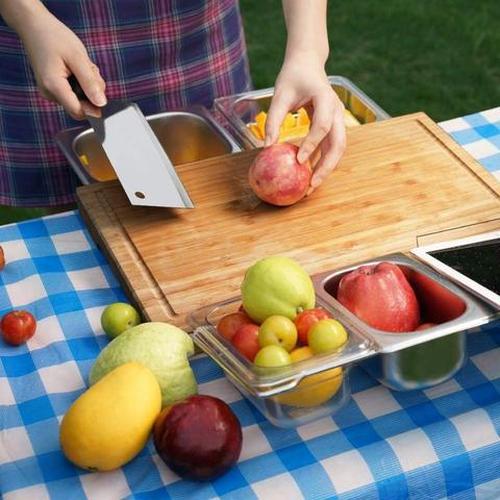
437,56
14,214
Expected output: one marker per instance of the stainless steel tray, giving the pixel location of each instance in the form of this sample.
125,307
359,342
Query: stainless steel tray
402,361
186,135
476,312
241,109
415,360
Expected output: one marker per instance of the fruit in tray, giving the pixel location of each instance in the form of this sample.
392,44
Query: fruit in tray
110,423
381,296
276,176
246,340
306,319
162,348
294,126
199,438
276,285
118,317
278,295
315,389
272,356
2,258
229,324
326,335
278,330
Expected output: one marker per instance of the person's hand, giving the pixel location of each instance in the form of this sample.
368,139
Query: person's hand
55,53
303,82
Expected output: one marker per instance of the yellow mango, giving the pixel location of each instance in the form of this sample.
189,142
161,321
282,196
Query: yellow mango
313,390
109,424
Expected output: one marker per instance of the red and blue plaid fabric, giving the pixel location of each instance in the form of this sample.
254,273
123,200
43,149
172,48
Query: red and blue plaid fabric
162,54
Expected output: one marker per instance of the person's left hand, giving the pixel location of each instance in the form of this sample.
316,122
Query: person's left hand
303,82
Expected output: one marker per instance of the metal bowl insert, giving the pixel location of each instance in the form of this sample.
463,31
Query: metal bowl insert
415,360
186,136
241,109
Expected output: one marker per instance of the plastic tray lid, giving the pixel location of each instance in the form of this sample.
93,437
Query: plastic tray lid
264,382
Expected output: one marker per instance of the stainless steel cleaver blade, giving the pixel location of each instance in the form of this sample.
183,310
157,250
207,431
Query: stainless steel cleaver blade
139,160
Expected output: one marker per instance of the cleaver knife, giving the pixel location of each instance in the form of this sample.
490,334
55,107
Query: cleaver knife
141,164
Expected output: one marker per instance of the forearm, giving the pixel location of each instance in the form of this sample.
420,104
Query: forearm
22,15
306,28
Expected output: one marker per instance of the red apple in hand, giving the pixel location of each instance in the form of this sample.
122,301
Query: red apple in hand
306,319
246,340
381,296
199,438
276,176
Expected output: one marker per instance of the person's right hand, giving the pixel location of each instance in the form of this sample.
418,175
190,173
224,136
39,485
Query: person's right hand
55,53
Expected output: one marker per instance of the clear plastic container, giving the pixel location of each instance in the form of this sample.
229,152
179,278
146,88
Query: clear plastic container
287,396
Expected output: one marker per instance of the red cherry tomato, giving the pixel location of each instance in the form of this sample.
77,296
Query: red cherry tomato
306,319
18,327
246,340
229,324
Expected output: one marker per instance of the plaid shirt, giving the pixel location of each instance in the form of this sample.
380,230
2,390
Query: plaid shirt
162,54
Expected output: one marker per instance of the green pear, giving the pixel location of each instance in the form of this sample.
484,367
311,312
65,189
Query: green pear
162,348
276,285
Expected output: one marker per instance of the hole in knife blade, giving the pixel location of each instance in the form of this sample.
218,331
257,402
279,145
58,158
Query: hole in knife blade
140,195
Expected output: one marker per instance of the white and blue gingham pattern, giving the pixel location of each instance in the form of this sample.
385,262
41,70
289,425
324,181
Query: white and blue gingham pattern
438,443
479,134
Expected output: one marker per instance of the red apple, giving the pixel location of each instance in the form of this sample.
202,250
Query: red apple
229,324
424,326
199,438
306,319
246,340
381,296
277,177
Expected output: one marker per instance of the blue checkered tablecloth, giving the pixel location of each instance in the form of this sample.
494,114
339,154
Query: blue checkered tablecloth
439,443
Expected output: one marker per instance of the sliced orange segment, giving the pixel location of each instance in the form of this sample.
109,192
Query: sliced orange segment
302,118
254,128
349,119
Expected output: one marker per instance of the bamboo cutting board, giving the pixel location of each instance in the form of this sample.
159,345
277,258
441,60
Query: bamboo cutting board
399,179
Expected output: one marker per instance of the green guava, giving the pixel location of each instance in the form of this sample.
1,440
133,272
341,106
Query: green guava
162,348
276,285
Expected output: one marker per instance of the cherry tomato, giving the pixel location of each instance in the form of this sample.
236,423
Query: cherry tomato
18,327
306,319
229,324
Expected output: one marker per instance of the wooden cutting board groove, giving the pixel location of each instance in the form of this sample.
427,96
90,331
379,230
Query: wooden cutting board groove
399,179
